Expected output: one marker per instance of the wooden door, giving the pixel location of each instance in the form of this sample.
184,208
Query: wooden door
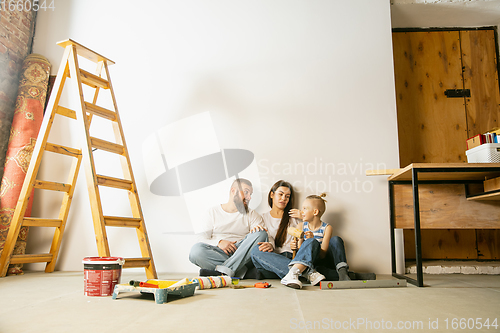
431,126
434,128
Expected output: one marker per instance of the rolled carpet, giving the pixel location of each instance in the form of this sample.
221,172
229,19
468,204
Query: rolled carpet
26,124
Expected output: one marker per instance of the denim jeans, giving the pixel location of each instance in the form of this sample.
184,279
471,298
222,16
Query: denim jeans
212,257
271,264
334,260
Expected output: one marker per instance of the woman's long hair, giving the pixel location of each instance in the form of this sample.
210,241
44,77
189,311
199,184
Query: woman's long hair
285,219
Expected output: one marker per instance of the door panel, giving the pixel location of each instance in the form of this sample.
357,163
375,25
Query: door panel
481,77
431,127
442,244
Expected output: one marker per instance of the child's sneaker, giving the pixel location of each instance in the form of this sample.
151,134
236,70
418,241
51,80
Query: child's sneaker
314,277
292,279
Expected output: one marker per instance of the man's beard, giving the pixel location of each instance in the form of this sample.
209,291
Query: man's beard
240,205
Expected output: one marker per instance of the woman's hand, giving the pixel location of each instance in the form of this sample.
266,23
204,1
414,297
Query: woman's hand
258,228
308,234
294,244
265,247
295,213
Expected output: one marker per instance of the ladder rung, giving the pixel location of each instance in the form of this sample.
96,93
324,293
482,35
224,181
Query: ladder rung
30,258
114,182
101,112
66,112
62,150
92,80
106,145
52,186
40,222
136,262
129,222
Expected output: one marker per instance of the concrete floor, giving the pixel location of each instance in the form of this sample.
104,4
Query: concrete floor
40,302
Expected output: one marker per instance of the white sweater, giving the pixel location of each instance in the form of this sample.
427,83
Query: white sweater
272,225
219,224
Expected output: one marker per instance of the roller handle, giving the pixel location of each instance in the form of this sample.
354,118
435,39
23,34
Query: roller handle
296,233
294,251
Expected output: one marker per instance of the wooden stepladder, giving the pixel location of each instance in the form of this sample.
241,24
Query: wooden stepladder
69,68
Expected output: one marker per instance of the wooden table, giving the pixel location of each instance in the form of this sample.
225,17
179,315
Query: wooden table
438,173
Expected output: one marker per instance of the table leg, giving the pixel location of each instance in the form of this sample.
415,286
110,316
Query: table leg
392,218
418,242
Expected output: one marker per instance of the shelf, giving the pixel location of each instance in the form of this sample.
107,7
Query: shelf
487,196
448,171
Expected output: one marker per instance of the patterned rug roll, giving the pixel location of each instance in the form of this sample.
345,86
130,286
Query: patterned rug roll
26,124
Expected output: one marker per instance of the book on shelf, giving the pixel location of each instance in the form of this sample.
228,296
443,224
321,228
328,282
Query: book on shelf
477,140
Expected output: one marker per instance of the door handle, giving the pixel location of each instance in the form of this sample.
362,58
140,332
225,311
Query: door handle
453,93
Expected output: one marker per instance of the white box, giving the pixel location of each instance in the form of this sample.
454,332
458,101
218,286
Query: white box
485,153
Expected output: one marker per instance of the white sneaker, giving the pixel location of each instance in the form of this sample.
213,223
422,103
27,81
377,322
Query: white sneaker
314,277
292,279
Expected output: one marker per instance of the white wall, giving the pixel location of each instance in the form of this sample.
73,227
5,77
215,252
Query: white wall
304,85
444,13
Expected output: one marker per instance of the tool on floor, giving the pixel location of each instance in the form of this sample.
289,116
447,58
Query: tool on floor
209,282
84,114
357,284
257,285
179,283
159,283
136,284
296,233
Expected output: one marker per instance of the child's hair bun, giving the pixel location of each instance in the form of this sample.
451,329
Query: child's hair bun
317,197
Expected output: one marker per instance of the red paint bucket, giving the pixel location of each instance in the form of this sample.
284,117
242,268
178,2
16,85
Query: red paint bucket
101,275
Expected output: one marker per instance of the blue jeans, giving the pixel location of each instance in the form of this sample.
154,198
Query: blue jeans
212,257
334,260
271,264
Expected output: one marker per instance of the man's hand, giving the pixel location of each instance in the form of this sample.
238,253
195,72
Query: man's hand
295,213
227,246
258,228
309,234
265,247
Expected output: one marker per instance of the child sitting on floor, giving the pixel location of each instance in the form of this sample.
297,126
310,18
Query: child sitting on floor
314,231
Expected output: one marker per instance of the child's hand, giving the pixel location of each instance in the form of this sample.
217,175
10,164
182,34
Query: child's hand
308,234
258,228
295,213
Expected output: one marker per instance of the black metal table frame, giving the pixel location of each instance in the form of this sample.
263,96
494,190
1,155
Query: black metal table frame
419,282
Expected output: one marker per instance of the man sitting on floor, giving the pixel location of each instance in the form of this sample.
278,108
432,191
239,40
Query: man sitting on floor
231,230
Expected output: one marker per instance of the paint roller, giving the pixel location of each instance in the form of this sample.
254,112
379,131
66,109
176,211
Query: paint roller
296,233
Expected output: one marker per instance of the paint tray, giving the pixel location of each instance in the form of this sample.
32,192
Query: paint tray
160,294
